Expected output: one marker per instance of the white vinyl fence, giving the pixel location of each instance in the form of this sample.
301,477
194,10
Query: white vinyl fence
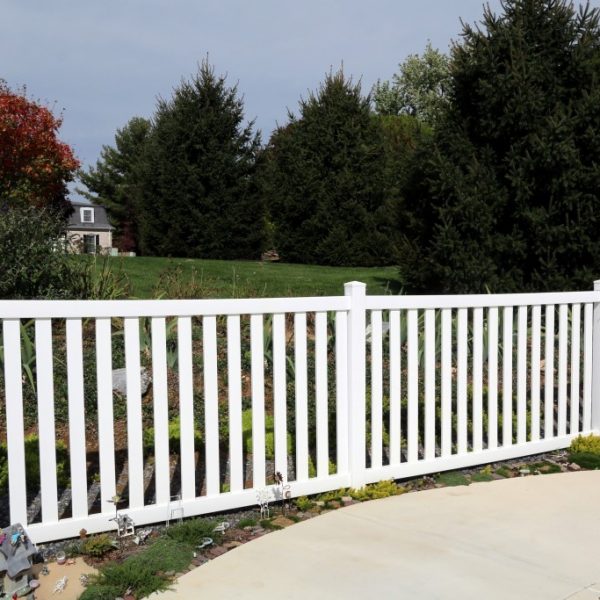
331,392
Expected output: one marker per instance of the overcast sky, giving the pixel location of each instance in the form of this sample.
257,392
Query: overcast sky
106,61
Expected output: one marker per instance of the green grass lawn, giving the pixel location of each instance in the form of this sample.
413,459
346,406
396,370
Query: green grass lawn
148,276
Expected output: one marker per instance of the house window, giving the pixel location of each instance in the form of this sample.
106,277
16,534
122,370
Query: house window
91,244
87,215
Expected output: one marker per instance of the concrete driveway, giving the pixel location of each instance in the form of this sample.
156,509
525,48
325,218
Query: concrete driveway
535,537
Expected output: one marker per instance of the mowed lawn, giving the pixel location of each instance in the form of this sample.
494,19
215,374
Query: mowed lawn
151,277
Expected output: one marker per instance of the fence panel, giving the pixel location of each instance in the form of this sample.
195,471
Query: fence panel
329,392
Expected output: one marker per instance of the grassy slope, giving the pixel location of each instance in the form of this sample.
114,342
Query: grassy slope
226,279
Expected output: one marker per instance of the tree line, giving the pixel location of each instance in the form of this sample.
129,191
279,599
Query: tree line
473,171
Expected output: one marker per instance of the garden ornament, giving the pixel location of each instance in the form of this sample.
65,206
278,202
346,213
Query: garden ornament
60,585
262,498
125,525
221,527
205,542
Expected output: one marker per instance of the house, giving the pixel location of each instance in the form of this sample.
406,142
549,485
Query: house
88,230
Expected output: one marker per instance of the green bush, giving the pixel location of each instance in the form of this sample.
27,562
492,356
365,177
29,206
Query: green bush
32,464
269,434
174,437
98,545
589,444
375,491
142,573
192,531
587,460
303,503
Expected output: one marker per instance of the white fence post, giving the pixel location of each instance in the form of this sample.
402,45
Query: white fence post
596,363
356,291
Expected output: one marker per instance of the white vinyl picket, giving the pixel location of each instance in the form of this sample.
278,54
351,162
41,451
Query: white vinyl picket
492,406
301,378
45,384
77,449
395,386
376,389
234,388
477,379
575,362
280,394
258,401
186,408
106,430
211,405
321,394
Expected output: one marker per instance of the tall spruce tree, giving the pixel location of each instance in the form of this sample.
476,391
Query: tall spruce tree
115,180
198,197
507,195
324,181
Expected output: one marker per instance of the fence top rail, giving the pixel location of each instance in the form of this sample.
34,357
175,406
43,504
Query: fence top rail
74,309
479,300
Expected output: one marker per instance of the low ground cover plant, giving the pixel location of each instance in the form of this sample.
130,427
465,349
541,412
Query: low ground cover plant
585,451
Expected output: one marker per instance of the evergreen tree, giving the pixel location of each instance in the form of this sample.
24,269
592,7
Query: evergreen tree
507,194
115,183
197,196
324,181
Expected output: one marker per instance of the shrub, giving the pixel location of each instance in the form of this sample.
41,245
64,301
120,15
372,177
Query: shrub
588,444
587,460
303,503
32,464
98,545
375,491
142,573
174,437
246,522
192,531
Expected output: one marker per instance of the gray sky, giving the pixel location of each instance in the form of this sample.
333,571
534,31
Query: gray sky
106,61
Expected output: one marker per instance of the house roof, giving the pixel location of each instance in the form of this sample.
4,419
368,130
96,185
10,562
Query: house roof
100,220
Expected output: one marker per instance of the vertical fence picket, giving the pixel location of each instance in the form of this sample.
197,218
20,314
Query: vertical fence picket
321,394
549,373
234,389
587,367
536,323
341,389
300,368
575,361
77,447
160,405
211,405
461,384
15,437
186,408
412,433
257,370
395,389
106,431
492,433
522,375
45,400
280,394
507,366
134,413
477,379
563,334
446,382
429,382
376,389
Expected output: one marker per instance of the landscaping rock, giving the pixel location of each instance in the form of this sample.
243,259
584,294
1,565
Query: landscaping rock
320,503
347,500
231,545
334,504
119,380
574,467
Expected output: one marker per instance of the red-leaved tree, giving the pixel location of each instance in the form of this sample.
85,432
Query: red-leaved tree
35,165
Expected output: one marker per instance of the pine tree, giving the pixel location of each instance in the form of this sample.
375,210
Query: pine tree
324,181
507,195
198,196
115,180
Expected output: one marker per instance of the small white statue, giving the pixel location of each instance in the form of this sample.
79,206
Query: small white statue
263,497
60,585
